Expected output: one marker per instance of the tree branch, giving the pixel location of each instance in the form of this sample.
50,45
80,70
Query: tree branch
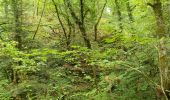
77,20
149,4
42,13
59,19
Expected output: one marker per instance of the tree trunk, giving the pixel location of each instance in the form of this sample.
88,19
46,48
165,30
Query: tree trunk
119,14
163,59
85,37
79,21
164,71
39,23
6,10
157,8
130,16
62,25
70,26
17,11
129,10
98,21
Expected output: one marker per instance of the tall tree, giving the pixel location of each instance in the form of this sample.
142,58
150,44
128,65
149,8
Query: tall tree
17,13
39,23
6,8
119,14
79,20
157,8
162,49
129,10
98,21
67,35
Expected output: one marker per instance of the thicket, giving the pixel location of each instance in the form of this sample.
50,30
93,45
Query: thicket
84,50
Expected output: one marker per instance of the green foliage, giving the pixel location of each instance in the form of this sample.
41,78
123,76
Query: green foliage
123,64
70,74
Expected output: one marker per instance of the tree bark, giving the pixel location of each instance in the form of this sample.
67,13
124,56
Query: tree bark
130,15
98,21
157,8
129,10
163,62
17,12
163,69
6,10
39,23
67,38
119,16
79,22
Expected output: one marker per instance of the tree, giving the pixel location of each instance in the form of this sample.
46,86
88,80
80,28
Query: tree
67,34
98,21
163,63
119,14
79,20
157,8
42,55
130,9
17,13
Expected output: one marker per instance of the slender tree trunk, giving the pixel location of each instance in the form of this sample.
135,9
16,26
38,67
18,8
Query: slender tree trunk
39,23
98,21
38,3
129,10
130,15
6,9
168,8
70,32
163,62
17,11
82,25
119,14
79,22
84,34
67,38
164,71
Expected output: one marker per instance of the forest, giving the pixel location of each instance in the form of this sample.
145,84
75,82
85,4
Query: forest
84,50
